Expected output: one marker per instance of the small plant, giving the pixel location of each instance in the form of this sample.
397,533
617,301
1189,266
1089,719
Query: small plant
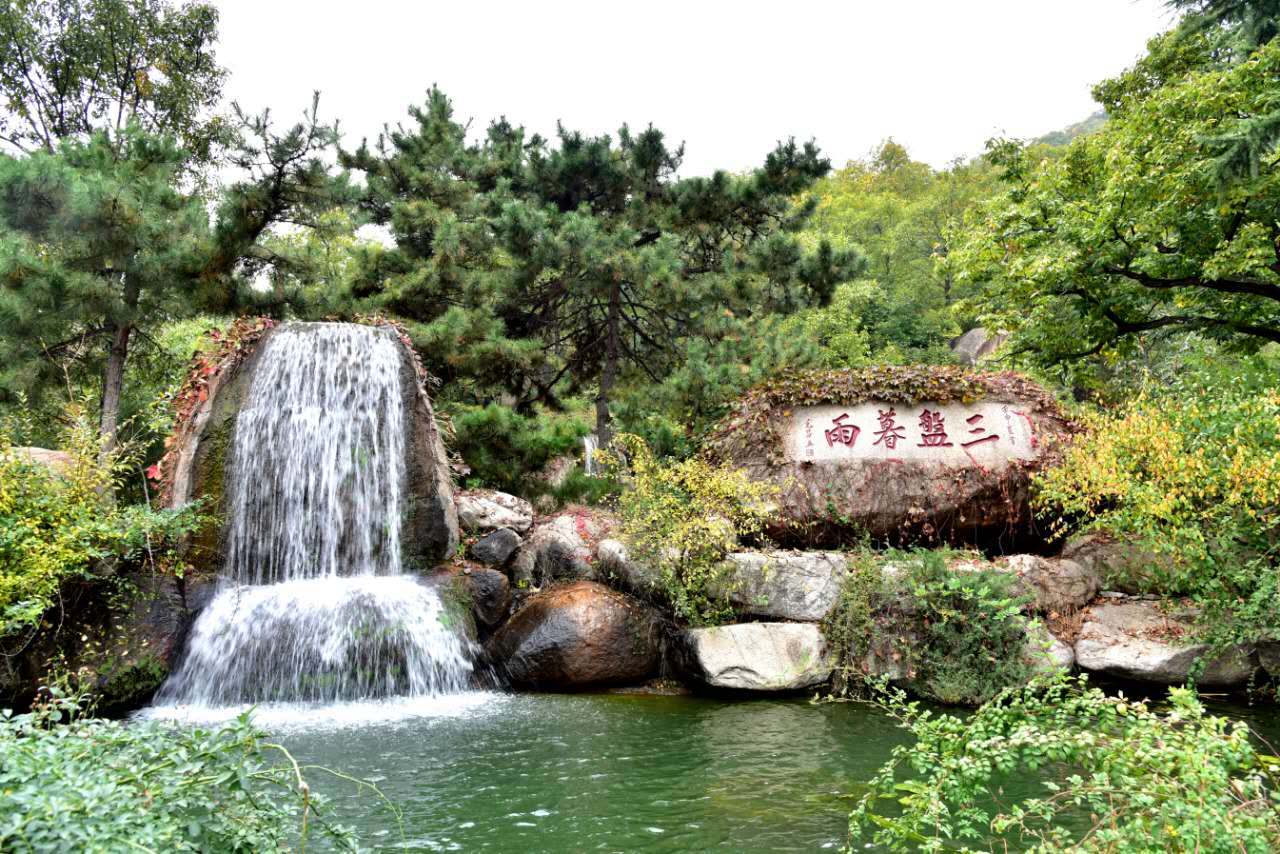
958,636
682,518
1118,776
75,783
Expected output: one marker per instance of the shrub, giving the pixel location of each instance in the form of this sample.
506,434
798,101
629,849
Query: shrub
960,635
71,783
507,450
682,518
1192,473
55,527
1117,776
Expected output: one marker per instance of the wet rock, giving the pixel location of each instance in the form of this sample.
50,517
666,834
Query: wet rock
784,585
1056,585
560,549
1136,640
581,635
757,656
496,547
490,595
483,510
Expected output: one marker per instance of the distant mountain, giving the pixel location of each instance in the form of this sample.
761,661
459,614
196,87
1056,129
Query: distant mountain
1088,126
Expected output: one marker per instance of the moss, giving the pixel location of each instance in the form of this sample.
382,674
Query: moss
128,683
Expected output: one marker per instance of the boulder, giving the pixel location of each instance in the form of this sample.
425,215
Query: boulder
195,465
490,595
613,563
1044,653
1056,585
976,345
58,462
496,547
581,635
1136,640
784,585
560,549
904,454
1118,563
483,510
757,656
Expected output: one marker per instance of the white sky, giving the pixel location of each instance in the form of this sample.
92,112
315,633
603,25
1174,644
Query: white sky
729,79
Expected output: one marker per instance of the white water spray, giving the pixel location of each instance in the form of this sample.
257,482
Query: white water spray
312,604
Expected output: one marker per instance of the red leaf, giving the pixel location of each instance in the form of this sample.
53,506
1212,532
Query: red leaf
153,471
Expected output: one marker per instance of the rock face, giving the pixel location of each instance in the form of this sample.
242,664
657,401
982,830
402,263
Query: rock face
1119,565
757,656
901,454
490,594
1057,585
119,650
204,446
1134,640
976,344
55,461
560,549
483,510
781,585
495,548
581,635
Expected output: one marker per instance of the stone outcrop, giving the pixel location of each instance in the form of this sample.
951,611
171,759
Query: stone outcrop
1056,585
783,585
902,454
57,462
1118,564
489,592
756,656
483,510
496,547
560,549
976,345
581,635
197,461
1136,640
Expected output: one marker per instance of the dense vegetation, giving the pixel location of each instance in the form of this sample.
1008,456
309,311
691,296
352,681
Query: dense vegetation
556,287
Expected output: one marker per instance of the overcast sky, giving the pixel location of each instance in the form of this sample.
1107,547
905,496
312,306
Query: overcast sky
729,79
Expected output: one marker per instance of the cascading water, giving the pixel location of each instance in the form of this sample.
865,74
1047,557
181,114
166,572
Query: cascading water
313,604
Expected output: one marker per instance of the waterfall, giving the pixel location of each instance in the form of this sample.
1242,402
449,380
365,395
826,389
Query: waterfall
313,604
589,446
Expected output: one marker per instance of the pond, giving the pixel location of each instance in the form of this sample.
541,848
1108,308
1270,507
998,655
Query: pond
605,772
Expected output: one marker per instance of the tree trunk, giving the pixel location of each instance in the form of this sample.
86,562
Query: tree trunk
609,373
112,382
113,376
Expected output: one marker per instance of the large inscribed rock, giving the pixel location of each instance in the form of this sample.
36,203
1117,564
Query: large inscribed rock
901,454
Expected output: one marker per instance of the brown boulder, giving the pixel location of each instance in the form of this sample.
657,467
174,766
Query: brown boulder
906,454
581,635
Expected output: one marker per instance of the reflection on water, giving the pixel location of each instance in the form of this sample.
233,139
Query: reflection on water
549,773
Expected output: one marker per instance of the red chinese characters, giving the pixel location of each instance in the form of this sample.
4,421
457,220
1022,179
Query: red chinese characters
933,432
842,433
974,422
889,432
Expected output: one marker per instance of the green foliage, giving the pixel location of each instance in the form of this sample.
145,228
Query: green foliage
1118,776
56,526
590,247
505,449
958,634
73,68
1130,235
72,783
682,519
1191,470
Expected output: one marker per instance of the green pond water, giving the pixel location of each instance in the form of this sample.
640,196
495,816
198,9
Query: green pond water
628,773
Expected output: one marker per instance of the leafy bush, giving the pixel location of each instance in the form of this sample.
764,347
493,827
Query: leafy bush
1118,776
506,450
70,783
960,634
682,518
55,526
1192,472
